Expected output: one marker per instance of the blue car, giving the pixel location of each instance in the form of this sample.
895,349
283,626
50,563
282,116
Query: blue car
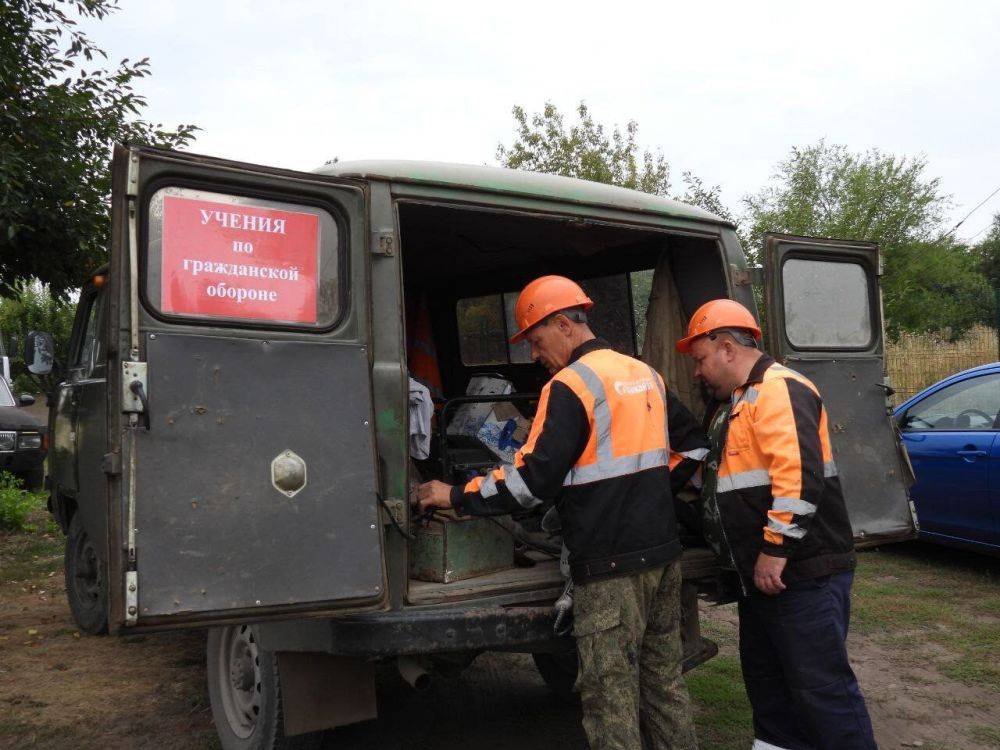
950,431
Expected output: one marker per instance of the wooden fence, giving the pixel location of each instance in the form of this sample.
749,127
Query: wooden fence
916,361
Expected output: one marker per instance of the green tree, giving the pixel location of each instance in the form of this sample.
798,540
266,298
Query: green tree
988,252
60,111
930,282
590,151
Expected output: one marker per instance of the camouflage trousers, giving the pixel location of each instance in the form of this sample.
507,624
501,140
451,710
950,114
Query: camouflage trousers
628,635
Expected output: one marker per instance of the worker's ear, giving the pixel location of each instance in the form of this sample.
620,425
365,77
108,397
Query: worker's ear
564,324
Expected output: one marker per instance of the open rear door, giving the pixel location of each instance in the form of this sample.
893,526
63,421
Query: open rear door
824,319
242,458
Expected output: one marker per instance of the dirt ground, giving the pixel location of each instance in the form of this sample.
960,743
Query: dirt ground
61,689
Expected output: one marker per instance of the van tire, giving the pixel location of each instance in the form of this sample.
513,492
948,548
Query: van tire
86,580
244,690
559,670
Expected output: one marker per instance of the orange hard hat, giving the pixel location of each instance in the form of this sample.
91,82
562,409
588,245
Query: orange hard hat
544,296
716,314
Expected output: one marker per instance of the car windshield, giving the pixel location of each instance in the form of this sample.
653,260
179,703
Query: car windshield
6,397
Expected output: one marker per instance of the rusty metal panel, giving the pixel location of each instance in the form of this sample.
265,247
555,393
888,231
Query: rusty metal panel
213,533
864,446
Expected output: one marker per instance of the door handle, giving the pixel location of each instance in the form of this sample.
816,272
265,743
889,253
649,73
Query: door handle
971,453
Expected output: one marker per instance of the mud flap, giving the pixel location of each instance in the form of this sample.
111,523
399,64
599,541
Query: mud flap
323,691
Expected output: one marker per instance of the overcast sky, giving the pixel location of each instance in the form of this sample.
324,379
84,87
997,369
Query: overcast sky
723,89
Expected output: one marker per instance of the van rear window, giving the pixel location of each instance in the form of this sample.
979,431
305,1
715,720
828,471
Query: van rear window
234,258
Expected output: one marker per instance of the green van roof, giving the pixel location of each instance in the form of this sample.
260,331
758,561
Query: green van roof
517,182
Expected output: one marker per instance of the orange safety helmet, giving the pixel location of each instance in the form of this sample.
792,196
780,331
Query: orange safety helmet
544,296
716,314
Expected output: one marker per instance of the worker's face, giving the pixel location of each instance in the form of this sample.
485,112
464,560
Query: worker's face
715,365
551,343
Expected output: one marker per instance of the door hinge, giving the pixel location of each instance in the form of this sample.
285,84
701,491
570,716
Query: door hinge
131,597
386,245
393,510
747,276
111,464
132,188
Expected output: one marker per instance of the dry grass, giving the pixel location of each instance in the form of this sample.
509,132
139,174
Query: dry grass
916,361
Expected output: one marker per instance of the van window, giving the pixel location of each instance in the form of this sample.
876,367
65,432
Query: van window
89,358
481,331
485,323
245,260
827,304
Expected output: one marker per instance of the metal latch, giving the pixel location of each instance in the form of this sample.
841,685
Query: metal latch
134,396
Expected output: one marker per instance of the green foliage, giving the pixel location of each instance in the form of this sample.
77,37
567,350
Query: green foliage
590,151
930,282
57,123
988,253
16,503
32,307
585,150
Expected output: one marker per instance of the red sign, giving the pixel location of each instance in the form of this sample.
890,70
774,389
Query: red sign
231,261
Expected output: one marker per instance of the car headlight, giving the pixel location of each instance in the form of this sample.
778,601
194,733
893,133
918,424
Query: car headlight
30,440
7,441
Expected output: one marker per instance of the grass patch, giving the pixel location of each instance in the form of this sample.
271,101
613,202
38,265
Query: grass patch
32,553
913,596
985,735
722,713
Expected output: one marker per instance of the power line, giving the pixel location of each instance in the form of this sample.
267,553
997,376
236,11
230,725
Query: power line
978,206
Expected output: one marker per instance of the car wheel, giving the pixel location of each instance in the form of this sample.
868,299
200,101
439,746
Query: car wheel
245,693
558,670
86,580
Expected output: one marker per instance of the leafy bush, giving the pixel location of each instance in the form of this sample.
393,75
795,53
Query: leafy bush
16,503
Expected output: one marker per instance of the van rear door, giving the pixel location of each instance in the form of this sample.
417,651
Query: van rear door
824,319
242,464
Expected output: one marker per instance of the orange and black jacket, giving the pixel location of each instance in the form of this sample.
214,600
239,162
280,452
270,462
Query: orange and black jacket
778,491
598,449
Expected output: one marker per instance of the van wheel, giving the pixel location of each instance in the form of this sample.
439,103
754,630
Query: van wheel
86,580
558,669
245,693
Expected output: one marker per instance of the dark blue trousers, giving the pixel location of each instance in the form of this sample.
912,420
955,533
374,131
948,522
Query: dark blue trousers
801,687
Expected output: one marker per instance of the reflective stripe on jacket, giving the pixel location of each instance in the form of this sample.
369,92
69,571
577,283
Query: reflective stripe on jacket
778,491
599,450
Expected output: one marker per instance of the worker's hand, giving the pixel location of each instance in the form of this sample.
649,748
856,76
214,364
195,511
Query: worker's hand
767,574
433,494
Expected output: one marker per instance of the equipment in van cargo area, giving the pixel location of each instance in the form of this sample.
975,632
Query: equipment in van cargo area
452,549
470,417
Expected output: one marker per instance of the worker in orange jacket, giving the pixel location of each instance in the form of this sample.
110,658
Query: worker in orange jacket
599,449
773,510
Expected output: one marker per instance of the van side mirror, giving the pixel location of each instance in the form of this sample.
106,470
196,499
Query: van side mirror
26,399
39,352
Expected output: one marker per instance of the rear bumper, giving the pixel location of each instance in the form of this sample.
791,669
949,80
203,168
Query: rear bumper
380,635
408,632
21,460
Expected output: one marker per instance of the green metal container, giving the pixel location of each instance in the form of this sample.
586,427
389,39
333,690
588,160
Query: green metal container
452,550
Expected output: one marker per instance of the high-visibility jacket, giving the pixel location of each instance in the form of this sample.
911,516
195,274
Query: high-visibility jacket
599,449
776,487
